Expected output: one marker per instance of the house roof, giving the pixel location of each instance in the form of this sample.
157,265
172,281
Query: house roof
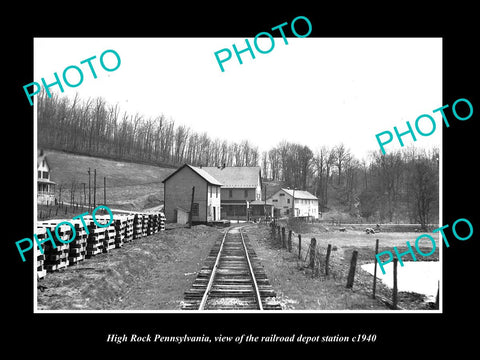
299,194
202,173
261,202
41,158
46,181
236,176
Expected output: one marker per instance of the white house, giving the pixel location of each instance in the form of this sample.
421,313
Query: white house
300,203
45,187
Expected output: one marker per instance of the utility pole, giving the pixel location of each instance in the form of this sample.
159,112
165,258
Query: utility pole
104,190
94,188
265,201
191,208
89,192
72,193
293,203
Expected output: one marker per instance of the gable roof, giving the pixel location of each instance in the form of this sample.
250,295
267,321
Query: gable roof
202,173
236,176
299,194
41,158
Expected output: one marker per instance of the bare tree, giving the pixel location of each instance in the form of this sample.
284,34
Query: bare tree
341,155
274,161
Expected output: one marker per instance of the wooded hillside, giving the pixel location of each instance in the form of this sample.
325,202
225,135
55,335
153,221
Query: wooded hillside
401,186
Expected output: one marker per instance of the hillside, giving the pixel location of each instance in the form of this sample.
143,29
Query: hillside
130,186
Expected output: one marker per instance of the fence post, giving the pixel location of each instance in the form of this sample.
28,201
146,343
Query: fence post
299,246
313,245
273,232
289,243
316,270
327,259
395,288
284,245
351,273
279,235
375,269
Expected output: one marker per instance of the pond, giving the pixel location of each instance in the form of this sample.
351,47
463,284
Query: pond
421,277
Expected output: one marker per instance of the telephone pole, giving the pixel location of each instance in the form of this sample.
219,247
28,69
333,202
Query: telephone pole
89,191
104,190
94,187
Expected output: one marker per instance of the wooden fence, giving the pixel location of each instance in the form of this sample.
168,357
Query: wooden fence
320,262
96,240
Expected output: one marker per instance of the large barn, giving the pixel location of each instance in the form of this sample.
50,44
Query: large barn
178,195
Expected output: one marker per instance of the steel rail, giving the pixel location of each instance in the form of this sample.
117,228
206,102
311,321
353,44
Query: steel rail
255,285
212,275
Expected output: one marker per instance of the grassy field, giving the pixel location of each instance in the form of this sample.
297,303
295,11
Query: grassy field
130,186
299,289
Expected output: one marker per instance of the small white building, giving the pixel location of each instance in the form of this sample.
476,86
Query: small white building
45,187
296,203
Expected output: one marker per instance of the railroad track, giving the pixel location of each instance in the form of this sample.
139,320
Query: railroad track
232,278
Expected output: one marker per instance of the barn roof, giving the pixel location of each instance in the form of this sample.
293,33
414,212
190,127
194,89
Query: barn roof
236,176
202,173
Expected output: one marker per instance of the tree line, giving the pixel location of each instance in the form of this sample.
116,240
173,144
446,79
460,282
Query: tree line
400,186
93,127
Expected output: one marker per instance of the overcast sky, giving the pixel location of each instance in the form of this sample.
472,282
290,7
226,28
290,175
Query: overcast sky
313,91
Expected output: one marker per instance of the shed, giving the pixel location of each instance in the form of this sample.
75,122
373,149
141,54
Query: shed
181,215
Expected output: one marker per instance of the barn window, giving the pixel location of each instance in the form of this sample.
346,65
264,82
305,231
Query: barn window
230,193
282,194
39,174
195,209
288,201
